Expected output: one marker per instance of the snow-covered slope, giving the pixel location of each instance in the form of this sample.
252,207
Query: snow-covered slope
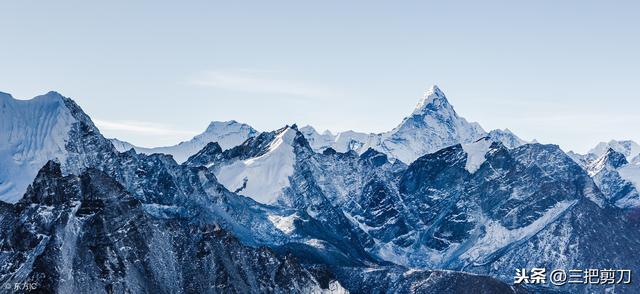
31,133
317,141
227,134
476,152
263,177
123,146
47,127
507,138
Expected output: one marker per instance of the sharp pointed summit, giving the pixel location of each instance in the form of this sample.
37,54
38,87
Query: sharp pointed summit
610,159
432,125
432,96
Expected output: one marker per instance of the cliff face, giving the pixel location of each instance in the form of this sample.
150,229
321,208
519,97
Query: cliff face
86,234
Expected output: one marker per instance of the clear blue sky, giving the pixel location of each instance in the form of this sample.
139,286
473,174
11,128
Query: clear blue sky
156,72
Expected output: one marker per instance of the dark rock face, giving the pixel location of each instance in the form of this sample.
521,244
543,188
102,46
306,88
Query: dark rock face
394,280
616,159
524,207
207,154
374,158
86,234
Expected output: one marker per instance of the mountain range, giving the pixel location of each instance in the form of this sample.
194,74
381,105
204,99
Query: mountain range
435,205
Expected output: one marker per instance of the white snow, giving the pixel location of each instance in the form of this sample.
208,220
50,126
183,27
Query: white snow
476,154
227,134
629,148
69,246
335,288
392,252
318,141
429,97
497,236
267,175
317,243
31,133
356,222
507,138
284,223
631,173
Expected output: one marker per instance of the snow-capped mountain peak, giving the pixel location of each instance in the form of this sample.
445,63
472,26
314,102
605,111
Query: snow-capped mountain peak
46,127
432,96
618,180
611,159
286,136
507,138
263,177
433,125
629,148
227,134
31,133
216,127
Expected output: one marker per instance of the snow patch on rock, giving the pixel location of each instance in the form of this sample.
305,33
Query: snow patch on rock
284,223
476,154
497,236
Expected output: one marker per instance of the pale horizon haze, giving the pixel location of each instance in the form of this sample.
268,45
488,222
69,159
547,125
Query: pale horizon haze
155,73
